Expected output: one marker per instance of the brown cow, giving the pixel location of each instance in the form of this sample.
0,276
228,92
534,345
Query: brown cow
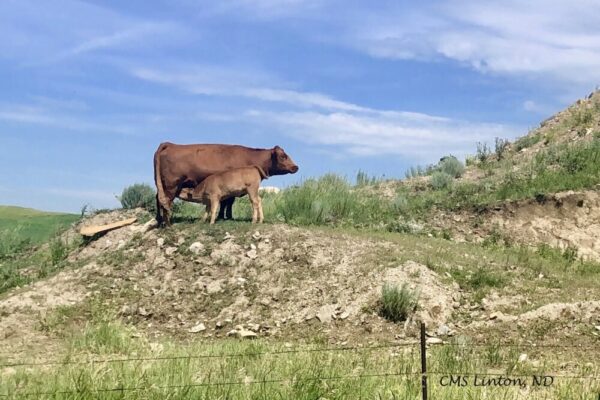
186,166
229,184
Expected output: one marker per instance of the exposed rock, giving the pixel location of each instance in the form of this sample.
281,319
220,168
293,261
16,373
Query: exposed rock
443,330
198,328
247,334
326,312
242,333
160,242
522,358
196,248
256,235
143,312
252,254
434,340
169,251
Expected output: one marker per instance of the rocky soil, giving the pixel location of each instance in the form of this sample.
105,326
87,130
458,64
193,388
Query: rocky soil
194,281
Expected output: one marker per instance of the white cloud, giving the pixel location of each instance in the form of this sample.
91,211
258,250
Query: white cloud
319,119
34,115
537,39
375,133
207,80
37,33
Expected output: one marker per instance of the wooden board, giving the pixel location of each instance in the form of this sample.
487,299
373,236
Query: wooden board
95,229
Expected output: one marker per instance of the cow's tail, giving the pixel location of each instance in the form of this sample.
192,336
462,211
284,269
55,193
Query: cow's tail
160,191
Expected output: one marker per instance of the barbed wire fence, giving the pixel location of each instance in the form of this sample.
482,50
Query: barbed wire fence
424,374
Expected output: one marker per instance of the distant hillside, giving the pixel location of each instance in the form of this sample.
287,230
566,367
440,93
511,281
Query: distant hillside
33,225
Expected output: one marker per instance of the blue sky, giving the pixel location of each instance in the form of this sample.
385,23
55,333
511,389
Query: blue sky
90,88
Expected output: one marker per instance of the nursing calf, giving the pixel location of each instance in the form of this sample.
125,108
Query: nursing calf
226,185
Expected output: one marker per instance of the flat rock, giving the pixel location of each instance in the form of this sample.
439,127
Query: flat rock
325,313
434,340
198,328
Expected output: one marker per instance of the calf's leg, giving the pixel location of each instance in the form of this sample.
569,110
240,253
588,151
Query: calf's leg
214,208
256,206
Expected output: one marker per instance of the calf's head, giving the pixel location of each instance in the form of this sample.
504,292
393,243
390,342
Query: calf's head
281,163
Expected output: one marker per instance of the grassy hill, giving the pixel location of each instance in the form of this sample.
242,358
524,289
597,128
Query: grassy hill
33,225
501,265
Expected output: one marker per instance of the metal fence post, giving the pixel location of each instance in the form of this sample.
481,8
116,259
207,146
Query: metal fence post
423,362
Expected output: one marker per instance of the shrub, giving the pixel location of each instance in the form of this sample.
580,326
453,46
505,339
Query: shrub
452,166
58,251
414,172
398,303
441,180
483,152
138,195
501,145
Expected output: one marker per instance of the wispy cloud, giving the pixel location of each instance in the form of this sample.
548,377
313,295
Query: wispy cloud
319,119
535,39
208,80
410,135
33,115
139,33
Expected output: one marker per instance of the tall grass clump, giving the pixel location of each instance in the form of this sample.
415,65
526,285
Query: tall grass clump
398,303
329,199
363,179
483,152
138,195
501,145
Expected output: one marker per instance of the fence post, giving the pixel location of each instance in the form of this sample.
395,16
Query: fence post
423,362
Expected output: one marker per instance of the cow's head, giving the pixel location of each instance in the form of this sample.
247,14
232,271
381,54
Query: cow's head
281,163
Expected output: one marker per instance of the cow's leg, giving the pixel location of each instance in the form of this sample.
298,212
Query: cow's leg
229,208
160,213
225,211
214,207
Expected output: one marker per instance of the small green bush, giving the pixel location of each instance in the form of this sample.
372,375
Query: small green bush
441,180
452,166
138,195
398,303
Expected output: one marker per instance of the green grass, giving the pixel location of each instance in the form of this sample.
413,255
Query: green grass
397,303
21,230
32,225
233,369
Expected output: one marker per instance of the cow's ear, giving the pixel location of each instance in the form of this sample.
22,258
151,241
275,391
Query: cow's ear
276,148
